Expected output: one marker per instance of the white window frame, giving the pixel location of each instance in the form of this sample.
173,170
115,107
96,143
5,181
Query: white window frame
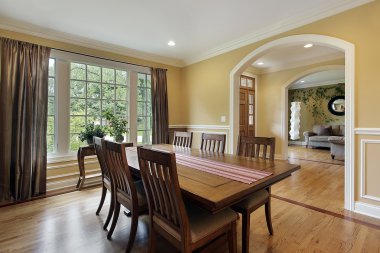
62,101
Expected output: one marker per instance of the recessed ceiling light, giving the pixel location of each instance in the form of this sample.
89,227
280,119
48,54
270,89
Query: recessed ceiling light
308,45
260,63
302,81
171,43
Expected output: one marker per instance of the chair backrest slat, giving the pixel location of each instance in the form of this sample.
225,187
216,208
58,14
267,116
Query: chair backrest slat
253,146
101,158
159,173
183,139
116,161
213,142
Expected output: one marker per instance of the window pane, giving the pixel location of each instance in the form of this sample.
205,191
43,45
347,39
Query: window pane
51,67
121,92
108,75
77,89
50,143
93,90
140,137
93,107
140,94
121,77
94,119
141,123
108,91
149,123
77,124
121,108
50,125
77,106
50,105
141,108
75,143
51,86
141,80
108,105
93,73
78,71
148,81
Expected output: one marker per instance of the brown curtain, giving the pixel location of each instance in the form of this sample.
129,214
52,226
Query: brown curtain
23,115
160,125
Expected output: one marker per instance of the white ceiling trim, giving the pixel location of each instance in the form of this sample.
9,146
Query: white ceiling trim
21,27
315,84
315,60
291,23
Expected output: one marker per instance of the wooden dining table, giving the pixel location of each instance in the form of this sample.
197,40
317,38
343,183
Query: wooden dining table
214,192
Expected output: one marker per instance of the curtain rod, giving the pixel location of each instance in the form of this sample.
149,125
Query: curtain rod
98,57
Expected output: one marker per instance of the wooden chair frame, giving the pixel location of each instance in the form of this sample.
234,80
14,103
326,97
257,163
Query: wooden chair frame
213,142
183,139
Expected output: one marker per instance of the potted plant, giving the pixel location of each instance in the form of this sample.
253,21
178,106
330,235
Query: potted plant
117,127
90,131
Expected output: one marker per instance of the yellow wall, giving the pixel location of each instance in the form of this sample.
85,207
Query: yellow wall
206,84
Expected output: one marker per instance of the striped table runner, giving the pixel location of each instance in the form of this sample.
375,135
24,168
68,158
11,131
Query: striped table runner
230,171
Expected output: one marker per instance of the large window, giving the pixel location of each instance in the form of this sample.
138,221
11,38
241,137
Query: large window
144,109
82,88
94,90
50,133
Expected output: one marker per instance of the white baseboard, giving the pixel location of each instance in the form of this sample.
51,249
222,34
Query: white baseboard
367,209
300,143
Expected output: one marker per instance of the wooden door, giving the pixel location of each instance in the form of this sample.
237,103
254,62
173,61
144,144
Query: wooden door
247,106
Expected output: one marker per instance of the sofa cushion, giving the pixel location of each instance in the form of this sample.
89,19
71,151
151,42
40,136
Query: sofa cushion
337,130
319,138
336,139
322,130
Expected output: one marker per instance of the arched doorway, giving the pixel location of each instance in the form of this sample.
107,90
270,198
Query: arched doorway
349,52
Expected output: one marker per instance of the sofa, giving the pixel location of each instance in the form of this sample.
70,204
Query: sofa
319,136
337,147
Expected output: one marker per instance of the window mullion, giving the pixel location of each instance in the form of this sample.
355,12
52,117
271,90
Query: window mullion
133,107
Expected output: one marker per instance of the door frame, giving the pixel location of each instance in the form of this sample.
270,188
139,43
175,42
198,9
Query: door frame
339,44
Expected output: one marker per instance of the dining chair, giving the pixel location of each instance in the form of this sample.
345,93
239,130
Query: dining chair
106,180
126,192
183,139
213,142
185,225
255,147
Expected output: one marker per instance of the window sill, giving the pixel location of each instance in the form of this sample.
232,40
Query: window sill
58,158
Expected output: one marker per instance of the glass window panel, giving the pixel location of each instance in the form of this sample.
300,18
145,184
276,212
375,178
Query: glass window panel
50,143
149,109
121,77
141,80
250,83
149,123
121,92
77,89
141,108
77,71
51,87
243,82
250,99
51,67
141,121
148,95
51,105
140,137
108,75
93,119
121,108
93,107
50,125
94,73
141,94
108,105
75,143
77,106
93,90
108,91
250,109
148,81
77,124
250,120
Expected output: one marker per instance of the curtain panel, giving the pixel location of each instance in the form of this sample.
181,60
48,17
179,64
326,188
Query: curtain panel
160,115
23,115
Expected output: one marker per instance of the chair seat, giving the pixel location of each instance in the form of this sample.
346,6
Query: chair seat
142,201
255,200
203,223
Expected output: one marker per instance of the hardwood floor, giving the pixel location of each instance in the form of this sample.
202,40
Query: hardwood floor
307,216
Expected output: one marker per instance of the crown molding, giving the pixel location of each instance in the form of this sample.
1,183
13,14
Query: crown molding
287,25
315,84
25,28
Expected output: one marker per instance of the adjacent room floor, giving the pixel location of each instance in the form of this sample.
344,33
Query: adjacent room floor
307,215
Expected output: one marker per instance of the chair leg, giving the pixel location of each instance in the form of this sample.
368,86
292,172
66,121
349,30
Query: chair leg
333,156
152,241
114,220
110,212
103,197
246,226
268,216
132,234
232,247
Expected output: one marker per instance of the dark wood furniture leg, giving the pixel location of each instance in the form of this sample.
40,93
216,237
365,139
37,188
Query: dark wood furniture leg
82,153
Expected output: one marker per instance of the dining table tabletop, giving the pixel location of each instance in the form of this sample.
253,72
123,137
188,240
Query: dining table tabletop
214,192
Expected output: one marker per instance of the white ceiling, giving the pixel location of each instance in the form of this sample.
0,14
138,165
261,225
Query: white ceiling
201,29
320,78
295,56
